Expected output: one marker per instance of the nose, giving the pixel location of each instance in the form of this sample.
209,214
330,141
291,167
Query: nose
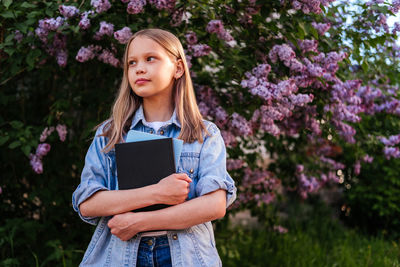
140,68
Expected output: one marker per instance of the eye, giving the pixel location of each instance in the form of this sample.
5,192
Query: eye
149,58
131,62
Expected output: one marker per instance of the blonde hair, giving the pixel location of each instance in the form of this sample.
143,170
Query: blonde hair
127,102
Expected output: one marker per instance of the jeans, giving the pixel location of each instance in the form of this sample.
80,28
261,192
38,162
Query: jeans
154,252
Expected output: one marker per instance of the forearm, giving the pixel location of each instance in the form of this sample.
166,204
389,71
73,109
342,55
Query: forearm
107,203
195,211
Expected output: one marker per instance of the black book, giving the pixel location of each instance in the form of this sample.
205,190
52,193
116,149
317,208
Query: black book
144,163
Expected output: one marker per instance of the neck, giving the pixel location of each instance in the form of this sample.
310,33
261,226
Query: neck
157,110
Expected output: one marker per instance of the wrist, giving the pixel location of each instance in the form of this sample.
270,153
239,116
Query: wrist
156,194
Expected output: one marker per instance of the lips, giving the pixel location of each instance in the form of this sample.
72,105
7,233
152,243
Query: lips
141,81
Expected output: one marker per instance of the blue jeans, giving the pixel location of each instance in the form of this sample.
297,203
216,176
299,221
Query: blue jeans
154,252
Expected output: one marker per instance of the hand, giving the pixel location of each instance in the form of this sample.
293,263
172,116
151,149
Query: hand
174,189
125,225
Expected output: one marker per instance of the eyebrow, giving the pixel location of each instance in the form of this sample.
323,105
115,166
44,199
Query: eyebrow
145,54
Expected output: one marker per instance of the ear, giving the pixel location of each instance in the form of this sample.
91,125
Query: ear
180,70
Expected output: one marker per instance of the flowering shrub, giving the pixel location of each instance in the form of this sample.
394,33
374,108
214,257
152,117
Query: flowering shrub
290,84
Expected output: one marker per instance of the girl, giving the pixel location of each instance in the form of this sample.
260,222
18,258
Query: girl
156,96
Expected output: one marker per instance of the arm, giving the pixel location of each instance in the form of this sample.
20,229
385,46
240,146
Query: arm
187,214
170,190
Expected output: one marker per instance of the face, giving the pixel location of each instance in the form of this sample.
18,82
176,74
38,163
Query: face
151,69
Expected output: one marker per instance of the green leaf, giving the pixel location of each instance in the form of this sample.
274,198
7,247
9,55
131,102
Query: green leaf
4,139
7,3
7,14
9,37
28,5
26,149
14,144
30,59
17,124
365,66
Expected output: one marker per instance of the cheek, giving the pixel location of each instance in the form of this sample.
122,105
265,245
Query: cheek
131,78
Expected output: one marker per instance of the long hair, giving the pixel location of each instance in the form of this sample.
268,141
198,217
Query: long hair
127,102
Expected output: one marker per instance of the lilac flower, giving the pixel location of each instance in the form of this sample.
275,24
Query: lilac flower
391,141
123,35
234,164
18,36
241,125
395,6
42,150
217,27
1,190
299,168
221,116
61,58
301,99
68,11
85,53
322,28
84,23
46,133
163,4
62,131
280,229
229,138
391,152
284,52
367,159
136,6
100,5
108,57
105,29
308,45
357,167
36,163
191,37
200,50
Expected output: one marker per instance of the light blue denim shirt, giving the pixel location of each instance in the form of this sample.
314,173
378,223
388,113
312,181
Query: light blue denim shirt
204,163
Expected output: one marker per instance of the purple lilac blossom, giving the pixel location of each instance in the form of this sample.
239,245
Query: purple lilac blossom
84,23
36,163
391,152
199,50
241,125
191,38
163,4
135,6
68,11
100,5
217,27
42,149
368,159
105,29
322,28
391,141
234,164
62,131
18,36
280,229
108,57
46,133
86,53
123,35
357,168
308,45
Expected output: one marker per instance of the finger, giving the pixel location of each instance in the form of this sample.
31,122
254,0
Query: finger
185,177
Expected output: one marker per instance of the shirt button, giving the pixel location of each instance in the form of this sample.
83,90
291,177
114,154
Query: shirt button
149,242
161,132
175,237
151,131
191,171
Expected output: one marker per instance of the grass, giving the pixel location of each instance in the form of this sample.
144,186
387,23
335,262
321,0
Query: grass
315,238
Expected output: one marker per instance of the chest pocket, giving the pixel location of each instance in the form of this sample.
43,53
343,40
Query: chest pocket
189,164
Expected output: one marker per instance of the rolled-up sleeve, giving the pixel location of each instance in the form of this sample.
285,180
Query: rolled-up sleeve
212,167
93,177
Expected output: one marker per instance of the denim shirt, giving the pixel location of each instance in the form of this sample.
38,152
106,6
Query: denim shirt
204,163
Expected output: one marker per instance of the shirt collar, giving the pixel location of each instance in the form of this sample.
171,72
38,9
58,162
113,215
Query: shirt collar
139,116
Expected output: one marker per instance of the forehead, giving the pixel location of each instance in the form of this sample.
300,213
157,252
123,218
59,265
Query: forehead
142,45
